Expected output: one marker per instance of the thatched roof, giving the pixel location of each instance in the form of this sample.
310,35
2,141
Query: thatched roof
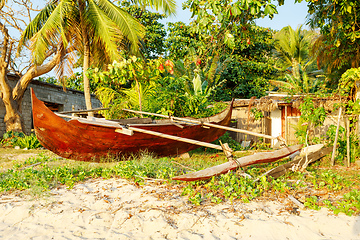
272,102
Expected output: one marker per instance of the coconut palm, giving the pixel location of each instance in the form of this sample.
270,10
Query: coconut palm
293,57
95,29
292,47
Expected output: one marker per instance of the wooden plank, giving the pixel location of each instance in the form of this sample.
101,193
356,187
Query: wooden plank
133,121
84,111
100,122
336,138
283,169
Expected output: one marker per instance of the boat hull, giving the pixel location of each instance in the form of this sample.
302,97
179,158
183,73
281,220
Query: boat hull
86,142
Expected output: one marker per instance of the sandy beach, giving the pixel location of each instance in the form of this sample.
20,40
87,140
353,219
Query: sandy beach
118,209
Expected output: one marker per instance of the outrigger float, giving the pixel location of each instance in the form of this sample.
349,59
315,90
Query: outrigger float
92,139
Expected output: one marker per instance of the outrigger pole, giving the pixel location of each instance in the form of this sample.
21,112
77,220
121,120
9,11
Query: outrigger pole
178,119
205,124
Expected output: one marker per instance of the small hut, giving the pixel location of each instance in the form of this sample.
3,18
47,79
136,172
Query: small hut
281,116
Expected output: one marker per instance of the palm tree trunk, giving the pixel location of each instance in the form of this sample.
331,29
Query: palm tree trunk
87,92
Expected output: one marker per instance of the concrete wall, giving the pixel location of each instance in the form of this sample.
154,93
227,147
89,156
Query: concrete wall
49,93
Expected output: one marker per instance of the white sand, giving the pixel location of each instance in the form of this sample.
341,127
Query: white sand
117,209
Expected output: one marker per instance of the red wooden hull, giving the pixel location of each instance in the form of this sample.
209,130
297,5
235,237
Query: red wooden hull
87,142
261,157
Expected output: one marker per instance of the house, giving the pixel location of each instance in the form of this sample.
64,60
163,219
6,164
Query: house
281,116
54,97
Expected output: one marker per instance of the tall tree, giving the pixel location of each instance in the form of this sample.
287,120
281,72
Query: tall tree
293,47
97,29
338,47
155,32
295,60
14,15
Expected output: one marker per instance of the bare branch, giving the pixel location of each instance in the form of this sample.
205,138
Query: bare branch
36,71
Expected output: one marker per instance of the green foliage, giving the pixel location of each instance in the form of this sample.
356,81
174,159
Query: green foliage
257,114
337,47
217,33
29,142
347,83
292,48
244,80
162,86
12,139
298,66
330,181
232,186
311,116
47,177
181,42
342,143
312,203
51,80
126,84
153,41
248,73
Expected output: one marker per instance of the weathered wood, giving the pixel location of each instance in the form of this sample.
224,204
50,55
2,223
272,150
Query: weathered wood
133,121
336,138
261,157
180,139
100,122
84,111
298,161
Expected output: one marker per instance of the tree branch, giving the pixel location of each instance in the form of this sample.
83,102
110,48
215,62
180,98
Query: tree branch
33,72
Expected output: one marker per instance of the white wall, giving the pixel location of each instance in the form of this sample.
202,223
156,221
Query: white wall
275,124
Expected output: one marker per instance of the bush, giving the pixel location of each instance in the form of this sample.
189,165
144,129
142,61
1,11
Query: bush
12,139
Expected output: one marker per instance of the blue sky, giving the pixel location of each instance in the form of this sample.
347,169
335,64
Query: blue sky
289,14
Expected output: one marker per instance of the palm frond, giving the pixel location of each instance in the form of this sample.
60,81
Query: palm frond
105,31
166,6
45,30
128,25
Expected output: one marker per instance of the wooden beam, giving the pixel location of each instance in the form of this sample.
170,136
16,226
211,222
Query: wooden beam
100,122
203,123
187,140
84,111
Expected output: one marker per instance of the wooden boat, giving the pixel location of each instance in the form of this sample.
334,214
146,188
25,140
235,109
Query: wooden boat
87,140
261,157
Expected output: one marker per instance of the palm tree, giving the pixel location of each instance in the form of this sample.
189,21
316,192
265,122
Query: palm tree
96,29
293,57
292,47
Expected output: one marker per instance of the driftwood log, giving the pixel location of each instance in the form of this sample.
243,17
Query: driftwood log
298,161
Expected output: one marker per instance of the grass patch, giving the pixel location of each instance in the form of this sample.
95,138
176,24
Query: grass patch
336,188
